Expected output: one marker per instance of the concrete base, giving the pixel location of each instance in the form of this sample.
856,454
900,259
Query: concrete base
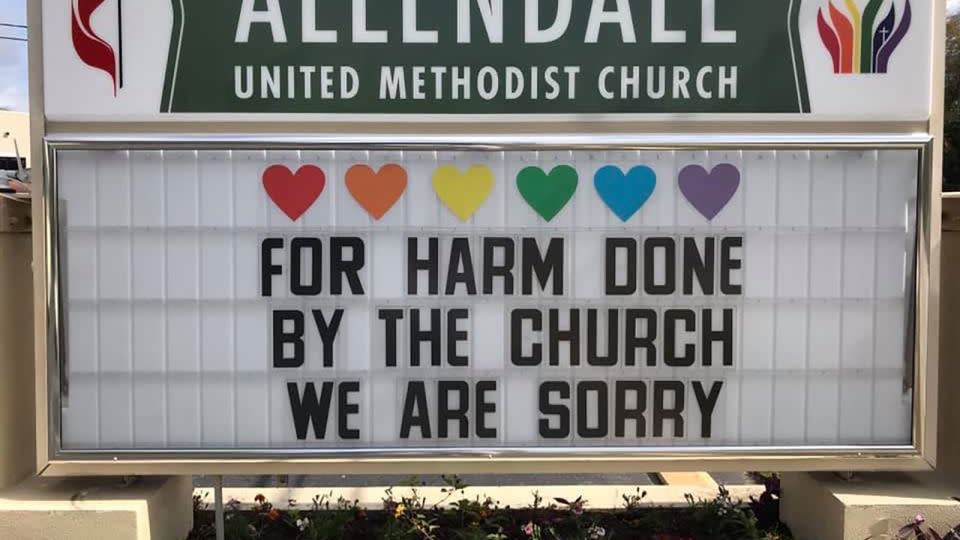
150,508
823,506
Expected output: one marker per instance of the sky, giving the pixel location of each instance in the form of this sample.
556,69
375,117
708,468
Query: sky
13,54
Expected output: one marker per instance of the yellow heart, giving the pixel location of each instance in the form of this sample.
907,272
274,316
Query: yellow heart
463,193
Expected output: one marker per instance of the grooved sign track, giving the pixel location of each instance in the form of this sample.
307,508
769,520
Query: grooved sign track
324,300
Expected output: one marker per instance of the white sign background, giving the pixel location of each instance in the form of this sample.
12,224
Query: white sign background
168,342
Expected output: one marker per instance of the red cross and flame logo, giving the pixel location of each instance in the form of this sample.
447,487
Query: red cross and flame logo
92,49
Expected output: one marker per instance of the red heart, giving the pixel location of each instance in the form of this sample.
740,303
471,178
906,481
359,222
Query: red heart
294,193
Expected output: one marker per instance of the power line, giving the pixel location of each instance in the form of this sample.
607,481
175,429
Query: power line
9,38
10,25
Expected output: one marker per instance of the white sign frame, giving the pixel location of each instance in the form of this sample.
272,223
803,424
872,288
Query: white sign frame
79,93
919,455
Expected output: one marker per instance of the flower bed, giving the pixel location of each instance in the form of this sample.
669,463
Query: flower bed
411,516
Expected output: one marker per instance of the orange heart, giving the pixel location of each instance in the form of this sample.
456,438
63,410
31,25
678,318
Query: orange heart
378,191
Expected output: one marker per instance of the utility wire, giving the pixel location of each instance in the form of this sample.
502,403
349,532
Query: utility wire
9,38
10,25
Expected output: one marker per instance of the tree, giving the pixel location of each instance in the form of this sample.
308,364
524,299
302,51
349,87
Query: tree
951,107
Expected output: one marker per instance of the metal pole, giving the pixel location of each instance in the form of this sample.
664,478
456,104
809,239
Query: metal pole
218,505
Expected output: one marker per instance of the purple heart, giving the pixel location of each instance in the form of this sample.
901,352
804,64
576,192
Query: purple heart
709,192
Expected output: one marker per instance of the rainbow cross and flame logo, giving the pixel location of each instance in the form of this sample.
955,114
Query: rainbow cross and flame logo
858,42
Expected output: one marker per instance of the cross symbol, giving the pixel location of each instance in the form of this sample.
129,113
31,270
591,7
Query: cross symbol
883,34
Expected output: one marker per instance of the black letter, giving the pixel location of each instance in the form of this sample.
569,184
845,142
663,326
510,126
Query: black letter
454,336
584,430
635,341
728,264
630,287
660,411
310,410
351,268
345,408
670,319
571,336
328,333
724,336
446,413
613,324
491,269
267,268
650,247
547,408
281,338
416,402
543,267
391,316
315,285
460,256
622,413
484,407
517,317
706,403
703,267
431,335
430,264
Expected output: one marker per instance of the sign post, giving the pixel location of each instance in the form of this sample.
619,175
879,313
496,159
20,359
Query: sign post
418,284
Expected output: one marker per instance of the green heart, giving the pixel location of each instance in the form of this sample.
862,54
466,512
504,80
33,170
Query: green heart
547,193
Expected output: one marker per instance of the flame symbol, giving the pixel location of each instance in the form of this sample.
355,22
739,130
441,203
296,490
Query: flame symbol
858,43
92,49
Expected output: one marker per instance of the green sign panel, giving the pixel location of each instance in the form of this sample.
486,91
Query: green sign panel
485,57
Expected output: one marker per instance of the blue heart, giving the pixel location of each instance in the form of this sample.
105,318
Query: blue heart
625,193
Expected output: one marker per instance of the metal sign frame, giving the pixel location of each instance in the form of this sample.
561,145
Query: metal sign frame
922,324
